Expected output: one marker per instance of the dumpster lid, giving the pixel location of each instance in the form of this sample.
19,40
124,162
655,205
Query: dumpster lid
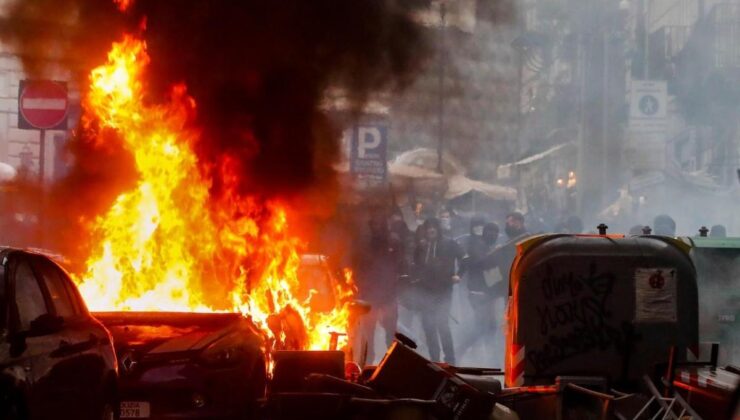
706,242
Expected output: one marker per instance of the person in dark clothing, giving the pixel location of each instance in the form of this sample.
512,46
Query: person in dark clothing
503,256
490,234
401,241
445,221
496,287
481,242
475,250
472,244
377,277
436,259
515,225
409,294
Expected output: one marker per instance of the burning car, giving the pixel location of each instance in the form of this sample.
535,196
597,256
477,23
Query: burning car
56,360
208,365
187,365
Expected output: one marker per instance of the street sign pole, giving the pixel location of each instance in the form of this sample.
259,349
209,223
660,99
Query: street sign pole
42,196
442,63
42,156
42,105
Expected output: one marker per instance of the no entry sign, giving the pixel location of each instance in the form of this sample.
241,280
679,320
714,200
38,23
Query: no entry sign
42,105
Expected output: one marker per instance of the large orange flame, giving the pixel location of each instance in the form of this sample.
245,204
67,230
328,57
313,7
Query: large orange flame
167,245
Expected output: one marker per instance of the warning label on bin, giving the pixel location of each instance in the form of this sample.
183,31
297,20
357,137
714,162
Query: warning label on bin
655,295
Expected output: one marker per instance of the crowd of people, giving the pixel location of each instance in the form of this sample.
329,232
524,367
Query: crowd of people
406,275
418,271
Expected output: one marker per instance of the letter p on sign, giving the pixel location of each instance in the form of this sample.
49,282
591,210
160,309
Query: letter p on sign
368,138
368,152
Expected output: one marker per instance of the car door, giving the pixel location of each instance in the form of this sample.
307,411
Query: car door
15,367
31,349
81,364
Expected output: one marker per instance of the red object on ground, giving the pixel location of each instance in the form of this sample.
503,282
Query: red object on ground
707,390
352,371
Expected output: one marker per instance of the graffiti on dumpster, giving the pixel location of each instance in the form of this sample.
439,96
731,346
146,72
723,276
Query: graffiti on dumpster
574,318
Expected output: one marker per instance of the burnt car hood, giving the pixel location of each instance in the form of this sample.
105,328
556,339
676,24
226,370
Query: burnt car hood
162,365
165,333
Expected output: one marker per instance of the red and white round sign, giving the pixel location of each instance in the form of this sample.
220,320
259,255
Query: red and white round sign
43,104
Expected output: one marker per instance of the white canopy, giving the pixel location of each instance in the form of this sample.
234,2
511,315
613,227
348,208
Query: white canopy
459,185
427,159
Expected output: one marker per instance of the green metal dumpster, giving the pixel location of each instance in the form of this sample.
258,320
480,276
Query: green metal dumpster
598,305
717,263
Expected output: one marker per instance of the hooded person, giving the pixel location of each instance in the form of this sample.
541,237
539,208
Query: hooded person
490,234
444,216
409,294
478,279
475,251
401,242
378,267
492,276
503,256
436,261
514,227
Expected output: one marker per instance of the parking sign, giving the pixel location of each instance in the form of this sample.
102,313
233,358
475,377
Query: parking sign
368,153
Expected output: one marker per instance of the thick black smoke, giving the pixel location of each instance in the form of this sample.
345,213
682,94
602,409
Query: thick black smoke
259,69
72,33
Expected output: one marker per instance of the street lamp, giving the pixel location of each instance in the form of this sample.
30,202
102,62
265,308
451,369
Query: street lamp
442,59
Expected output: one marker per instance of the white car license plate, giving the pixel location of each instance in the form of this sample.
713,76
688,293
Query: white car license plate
134,410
